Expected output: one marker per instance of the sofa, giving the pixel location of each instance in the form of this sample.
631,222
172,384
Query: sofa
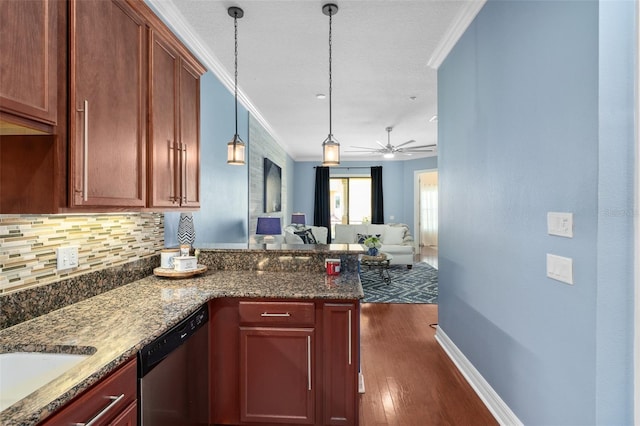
396,239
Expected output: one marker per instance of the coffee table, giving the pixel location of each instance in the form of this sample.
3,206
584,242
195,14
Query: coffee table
379,262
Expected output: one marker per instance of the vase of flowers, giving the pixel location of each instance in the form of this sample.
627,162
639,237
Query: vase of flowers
373,244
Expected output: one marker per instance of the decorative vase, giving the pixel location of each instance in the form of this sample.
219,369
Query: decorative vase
186,231
373,251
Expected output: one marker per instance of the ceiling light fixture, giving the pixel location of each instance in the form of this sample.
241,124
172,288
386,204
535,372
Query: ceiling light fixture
330,147
235,148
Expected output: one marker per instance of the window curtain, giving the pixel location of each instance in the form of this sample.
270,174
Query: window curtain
377,205
321,208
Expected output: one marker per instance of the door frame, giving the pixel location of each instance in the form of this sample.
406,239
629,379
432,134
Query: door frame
636,339
416,204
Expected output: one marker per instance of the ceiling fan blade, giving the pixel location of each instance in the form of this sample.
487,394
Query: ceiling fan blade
406,143
365,147
420,147
383,146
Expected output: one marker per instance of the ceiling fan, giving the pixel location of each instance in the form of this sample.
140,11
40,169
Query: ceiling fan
389,151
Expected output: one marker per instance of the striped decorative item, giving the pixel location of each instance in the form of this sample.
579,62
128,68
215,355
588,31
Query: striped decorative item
186,231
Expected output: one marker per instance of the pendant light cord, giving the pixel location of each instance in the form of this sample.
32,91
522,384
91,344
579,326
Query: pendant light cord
235,26
330,76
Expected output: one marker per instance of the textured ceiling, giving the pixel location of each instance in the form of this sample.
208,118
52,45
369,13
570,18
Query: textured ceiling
381,56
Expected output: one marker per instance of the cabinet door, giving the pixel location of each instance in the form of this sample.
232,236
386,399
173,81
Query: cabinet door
340,355
175,128
108,104
277,383
164,182
190,134
28,46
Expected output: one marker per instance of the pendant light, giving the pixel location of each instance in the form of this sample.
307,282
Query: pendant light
236,148
330,147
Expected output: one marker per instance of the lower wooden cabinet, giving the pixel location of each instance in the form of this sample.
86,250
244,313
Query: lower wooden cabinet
284,362
277,375
113,401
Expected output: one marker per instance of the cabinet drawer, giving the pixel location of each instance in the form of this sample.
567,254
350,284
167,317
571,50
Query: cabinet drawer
108,399
277,313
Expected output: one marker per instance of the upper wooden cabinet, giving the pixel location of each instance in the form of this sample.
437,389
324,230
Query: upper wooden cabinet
28,71
107,101
174,130
119,93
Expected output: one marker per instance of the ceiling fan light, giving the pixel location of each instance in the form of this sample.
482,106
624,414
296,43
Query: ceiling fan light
235,151
389,155
330,152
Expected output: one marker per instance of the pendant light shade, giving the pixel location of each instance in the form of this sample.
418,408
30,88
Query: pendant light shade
236,148
330,146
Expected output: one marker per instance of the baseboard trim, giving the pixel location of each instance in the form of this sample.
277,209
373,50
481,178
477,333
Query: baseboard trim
360,382
487,394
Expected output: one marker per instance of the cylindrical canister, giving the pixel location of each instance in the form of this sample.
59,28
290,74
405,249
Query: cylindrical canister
332,266
166,257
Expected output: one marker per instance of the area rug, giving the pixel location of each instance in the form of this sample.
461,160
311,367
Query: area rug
416,285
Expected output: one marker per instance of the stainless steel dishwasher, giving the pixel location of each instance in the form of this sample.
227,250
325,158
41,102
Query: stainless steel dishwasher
173,375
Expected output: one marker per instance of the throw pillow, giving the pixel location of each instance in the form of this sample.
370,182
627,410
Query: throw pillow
393,235
307,236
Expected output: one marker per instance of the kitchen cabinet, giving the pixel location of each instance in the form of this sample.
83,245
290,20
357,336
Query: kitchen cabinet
112,401
284,362
107,101
277,362
339,348
174,135
29,77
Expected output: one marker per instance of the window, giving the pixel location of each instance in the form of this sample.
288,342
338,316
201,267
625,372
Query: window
350,200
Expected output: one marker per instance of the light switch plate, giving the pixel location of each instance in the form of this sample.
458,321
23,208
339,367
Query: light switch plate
560,268
559,223
67,257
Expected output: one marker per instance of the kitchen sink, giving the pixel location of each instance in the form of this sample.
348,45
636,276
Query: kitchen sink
21,373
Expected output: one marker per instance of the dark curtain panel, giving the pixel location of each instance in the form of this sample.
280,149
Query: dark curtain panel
321,209
377,207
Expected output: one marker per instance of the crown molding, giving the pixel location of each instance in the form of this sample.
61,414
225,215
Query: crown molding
172,17
456,30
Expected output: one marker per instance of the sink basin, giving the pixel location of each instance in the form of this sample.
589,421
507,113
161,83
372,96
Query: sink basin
24,372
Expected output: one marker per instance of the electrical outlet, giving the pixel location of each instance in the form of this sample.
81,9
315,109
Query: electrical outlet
67,257
560,268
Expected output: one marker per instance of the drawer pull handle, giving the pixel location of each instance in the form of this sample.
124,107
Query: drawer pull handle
349,340
97,417
85,150
308,362
268,314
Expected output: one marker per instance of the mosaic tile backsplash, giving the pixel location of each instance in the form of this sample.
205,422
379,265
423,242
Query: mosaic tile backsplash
28,245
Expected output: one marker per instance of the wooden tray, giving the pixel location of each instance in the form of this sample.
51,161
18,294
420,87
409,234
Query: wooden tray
172,273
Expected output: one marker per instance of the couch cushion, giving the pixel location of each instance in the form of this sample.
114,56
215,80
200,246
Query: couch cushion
375,228
291,238
320,233
393,235
396,249
344,234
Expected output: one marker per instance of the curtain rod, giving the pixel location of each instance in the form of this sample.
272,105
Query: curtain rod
355,167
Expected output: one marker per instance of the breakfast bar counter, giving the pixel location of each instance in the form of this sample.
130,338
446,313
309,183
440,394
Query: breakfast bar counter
111,327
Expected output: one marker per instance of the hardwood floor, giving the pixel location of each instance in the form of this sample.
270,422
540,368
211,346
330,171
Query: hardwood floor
409,380
428,254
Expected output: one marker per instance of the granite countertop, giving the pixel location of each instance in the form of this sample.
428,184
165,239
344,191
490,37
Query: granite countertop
114,325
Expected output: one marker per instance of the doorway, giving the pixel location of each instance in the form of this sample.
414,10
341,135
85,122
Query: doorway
426,216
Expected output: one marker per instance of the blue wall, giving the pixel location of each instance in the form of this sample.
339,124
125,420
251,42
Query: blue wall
397,184
224,189
524,129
